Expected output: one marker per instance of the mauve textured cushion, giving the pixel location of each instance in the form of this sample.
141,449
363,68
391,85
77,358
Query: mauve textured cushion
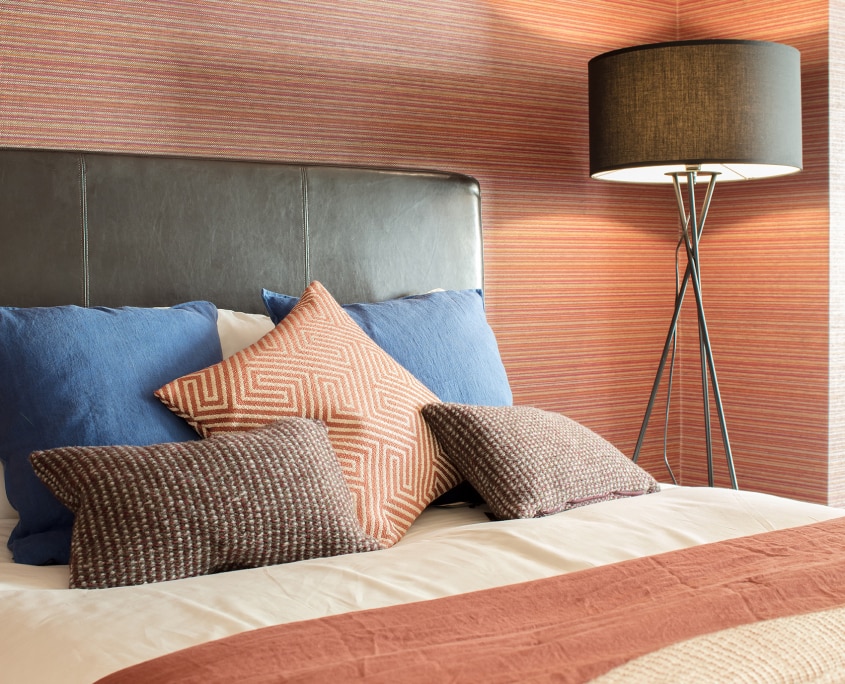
85,377
528,463
441,337
271,495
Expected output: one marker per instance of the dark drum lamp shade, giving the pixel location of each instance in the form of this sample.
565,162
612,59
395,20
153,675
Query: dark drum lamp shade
726,106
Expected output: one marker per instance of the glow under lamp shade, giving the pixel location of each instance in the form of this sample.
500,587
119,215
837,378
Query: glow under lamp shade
726,106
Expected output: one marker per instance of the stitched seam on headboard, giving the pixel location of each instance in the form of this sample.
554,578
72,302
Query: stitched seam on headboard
306,238
83,183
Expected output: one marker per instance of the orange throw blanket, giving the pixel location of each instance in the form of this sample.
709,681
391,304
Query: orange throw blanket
568,628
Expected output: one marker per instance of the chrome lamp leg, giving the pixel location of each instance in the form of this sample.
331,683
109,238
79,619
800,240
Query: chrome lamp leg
693,224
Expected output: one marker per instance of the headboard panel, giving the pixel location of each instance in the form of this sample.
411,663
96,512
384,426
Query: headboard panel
111,230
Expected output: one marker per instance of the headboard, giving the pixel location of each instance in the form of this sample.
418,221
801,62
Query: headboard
113,230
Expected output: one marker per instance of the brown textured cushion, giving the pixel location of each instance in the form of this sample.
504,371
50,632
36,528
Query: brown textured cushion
236,500
527,463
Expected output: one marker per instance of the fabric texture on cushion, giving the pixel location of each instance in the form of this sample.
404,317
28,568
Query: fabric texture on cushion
237,500
77,376
528,463
317,363
442,337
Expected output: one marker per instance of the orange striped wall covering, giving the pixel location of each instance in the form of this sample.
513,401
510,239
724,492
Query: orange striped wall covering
768,284
579,272
836,109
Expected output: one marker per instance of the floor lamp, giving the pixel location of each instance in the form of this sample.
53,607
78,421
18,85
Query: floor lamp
686,112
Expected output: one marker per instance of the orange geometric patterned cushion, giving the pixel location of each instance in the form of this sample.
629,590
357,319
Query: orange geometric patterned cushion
318,363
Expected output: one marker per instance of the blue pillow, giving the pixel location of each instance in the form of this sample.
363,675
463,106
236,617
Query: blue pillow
72,376
442,338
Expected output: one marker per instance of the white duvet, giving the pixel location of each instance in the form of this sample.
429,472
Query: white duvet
49,633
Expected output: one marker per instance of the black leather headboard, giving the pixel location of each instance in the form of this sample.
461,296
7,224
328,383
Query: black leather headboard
113,230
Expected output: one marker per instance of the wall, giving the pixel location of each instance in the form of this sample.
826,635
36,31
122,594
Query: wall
836,111
579,273
767,282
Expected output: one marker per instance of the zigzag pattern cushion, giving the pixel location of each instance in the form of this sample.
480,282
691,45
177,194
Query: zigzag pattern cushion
528,463
317,363
238,500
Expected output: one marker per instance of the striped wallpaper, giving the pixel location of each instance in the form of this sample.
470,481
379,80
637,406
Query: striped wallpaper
580,274
768,282
836,392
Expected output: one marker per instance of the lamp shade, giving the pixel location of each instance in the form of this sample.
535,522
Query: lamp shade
727,106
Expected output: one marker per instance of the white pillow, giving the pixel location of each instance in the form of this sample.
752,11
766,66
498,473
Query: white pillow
6,510
238,330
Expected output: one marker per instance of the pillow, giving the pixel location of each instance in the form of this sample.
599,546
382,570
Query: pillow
441,337
237,500
317,363
6,510
77,376
238,330
528,463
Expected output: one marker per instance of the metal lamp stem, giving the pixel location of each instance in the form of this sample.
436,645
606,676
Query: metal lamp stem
693,225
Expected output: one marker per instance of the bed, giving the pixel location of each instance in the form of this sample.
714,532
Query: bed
238,522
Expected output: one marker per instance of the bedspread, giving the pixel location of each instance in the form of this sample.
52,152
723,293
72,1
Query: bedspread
91,633
569,628
799,649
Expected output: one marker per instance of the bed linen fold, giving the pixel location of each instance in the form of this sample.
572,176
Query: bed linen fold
569,628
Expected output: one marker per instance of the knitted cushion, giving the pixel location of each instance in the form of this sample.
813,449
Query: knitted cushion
528,463
318,363
238,500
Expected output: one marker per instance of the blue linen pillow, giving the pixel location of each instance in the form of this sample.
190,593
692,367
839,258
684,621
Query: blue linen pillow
442,338
72,376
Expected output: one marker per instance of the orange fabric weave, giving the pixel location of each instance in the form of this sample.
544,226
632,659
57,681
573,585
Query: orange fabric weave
318,363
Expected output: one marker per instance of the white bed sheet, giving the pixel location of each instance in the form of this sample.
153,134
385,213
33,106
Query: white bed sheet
50,633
